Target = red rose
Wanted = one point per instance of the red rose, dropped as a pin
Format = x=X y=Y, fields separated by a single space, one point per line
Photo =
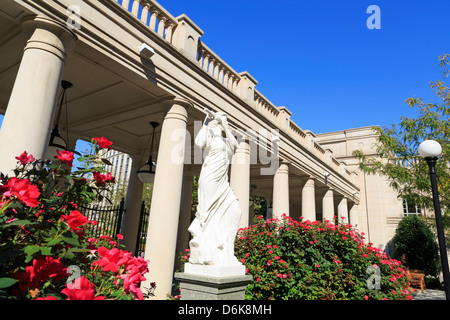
x=75 y=220
x=39 y=272
x=24 y=191
x=24 y=158
x=101 y=178
x=81 y=289
x=112 y=259
x=47 y=298
x=65 y=156
x=103 y=143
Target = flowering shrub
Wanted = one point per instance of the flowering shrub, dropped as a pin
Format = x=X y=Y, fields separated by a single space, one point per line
x=306 y=260
x=46 y=249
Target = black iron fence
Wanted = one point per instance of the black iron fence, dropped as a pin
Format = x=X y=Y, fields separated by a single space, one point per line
x=108 y=218
x=109 y=222
x=142 y=231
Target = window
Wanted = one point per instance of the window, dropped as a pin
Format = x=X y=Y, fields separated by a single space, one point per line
x=411 y=208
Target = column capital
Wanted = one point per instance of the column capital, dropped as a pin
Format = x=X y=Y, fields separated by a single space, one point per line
x=283 y=167
x=37 y=29
x=177 y=107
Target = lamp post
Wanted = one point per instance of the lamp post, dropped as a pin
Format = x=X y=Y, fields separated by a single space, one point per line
x=430 y=150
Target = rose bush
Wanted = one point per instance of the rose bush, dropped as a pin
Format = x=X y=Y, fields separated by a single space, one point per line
x=305 y=260
x=46 y=249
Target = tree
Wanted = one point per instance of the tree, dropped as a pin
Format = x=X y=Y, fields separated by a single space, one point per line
x=416 y=245
x=397 y=148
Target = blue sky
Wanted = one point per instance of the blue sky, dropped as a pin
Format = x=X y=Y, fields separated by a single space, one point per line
x=319 y=59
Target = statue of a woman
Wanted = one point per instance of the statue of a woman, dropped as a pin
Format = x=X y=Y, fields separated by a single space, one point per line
x=216 y=221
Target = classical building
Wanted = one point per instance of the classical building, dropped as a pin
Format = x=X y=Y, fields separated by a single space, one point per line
x=131 y=62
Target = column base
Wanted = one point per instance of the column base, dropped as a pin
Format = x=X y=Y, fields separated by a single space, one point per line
x=201 y=287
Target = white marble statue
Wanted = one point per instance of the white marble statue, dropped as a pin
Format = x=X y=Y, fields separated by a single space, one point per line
x=216 y=221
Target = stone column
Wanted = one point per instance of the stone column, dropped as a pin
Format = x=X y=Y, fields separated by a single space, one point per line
x=133 y=202
x=354 y=215
x=31 y=108
x=281 y=191
x=342 y=211
x=309 y=200
x=165 y=208
x=328 y=206
x=185 y=215
x=240 y=179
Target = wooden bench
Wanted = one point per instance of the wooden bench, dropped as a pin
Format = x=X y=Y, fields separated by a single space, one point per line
x=416 y=278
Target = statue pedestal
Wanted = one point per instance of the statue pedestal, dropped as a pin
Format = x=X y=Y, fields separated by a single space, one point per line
x=203 y=282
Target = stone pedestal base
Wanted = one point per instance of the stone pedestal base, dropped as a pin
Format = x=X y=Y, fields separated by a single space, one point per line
x=200 y=282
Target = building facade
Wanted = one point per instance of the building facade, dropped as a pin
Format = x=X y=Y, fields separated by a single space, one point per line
x=131 y=62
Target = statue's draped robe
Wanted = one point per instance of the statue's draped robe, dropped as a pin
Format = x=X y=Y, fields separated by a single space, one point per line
x=217 y=218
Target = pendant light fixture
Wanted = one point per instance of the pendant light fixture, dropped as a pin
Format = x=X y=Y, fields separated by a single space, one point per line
x=56 y=141
x=146 y=173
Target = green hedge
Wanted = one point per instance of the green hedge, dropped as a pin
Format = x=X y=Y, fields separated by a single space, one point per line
x=306 y=260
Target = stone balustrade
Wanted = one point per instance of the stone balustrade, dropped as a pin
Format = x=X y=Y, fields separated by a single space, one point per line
x=160 y=21
x=217 y=68
x=265 y=107
x=153 y=15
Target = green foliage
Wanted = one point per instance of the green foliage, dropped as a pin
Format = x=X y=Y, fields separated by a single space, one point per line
x=397 y=148
x=43 y=237
x=415 y=243
x=305 y=260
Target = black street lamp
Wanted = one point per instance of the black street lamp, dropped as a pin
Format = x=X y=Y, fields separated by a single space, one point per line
x=430 y=150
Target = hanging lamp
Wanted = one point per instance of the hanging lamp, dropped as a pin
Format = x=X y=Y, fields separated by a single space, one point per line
x=146 y=173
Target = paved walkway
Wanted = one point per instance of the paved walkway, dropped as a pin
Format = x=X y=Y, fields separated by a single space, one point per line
x=429 y=294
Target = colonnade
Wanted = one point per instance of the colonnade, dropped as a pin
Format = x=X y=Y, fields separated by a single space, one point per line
x=32 y=104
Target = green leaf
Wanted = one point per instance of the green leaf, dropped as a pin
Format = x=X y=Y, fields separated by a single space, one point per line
x=71 y=238
x=46 y=251
x=29 y=251
x=7 y=282
x=19 y=223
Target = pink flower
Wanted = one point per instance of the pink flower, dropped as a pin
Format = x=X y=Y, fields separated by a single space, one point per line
x=112 y=259
x=75 y=220
x=24 y=158
x=317 y=265
x=41 y=270
x=84 y=290
x=101 y=178
x=65 y=156
x=23 y=190
x=102 y=142
x=47 y=298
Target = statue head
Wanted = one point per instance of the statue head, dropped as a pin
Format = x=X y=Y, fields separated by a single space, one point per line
x=216 y=124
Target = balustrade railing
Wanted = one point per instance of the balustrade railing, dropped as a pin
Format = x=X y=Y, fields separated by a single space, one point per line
x=160 y=21
x=153 y=15
x=264 y=106
x=216 y=67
